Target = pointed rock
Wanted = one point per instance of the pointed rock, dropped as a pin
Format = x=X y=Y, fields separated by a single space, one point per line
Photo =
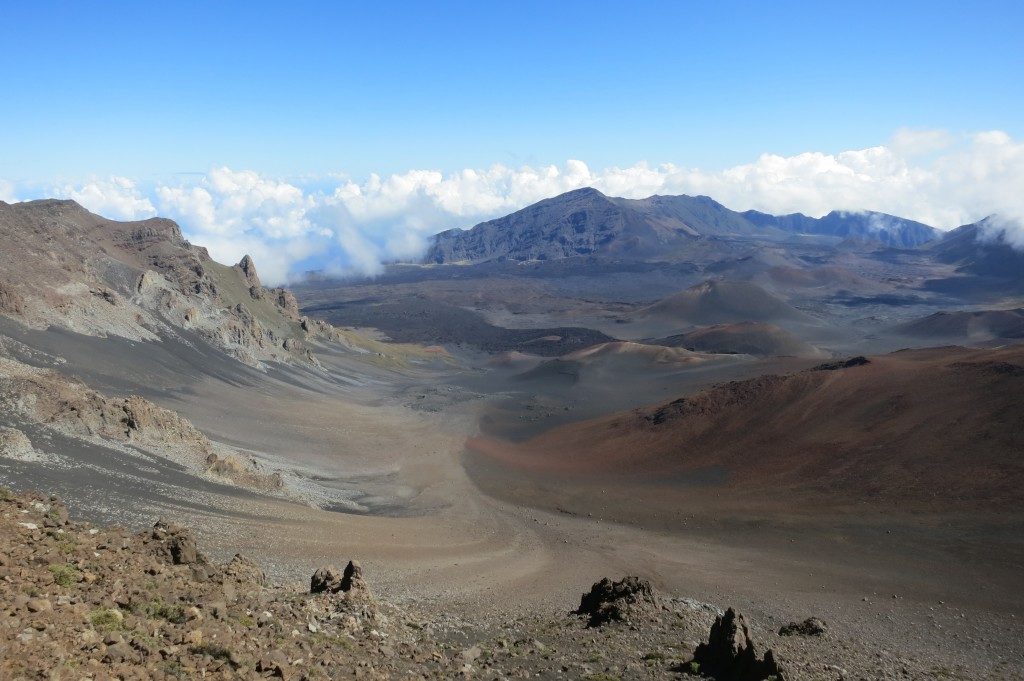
x=248 y=269
x=730 y=654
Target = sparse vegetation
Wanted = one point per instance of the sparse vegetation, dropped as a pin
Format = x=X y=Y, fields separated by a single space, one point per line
x=159 y=609
x=217 y=652
x=107 y=619
x=64 y=575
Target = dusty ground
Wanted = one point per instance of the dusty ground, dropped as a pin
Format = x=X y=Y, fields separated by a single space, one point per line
x=431 y=539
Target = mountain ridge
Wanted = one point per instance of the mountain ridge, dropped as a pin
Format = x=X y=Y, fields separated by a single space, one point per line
x=587 y=222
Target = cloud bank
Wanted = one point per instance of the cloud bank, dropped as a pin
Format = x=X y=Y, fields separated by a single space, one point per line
x=344 y=226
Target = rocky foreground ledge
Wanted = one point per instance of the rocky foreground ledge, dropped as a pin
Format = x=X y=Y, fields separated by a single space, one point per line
x=78 y=602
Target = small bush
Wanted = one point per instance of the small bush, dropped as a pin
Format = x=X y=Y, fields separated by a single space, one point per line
x=107 y=619
x=64 y=574
x=160 y=609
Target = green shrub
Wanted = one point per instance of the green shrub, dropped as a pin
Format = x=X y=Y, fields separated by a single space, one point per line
x=107 y=619
x=162 y=610
x=64 y=574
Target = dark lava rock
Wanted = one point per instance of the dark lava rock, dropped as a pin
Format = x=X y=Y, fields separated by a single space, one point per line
x=730 y=655
x=353 y=577
x=812 y=626
x=325 y=579
x=847 y=364
x=609 y=601
x=329 y=580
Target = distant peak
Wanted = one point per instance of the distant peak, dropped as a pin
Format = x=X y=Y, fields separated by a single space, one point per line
x=584 y=191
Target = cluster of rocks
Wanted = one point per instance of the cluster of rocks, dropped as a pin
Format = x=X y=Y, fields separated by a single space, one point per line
x=82 y=602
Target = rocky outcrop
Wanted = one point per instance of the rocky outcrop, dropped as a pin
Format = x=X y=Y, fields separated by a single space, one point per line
x=54 y=400
x=730 y=654
x=11 y=301
x=175 y=544
x=609 y=601
x=325 y=580
x=15 y=445
x=239 y=472
x=247 y=268
x=287 y=302
x=66 y=267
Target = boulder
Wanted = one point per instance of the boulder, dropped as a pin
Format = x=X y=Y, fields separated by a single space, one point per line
x=609 y=601
x=812 y=626
x=730 y=654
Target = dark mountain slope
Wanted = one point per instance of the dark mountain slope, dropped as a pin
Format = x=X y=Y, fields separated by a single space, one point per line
x=580 y=222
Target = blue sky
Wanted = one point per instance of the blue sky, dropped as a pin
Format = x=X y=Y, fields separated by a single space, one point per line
x=152 y=89
x=341 y=136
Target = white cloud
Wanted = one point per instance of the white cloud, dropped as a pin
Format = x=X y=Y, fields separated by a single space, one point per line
x=1002 y=228
x=349 y=226
x=116 y=197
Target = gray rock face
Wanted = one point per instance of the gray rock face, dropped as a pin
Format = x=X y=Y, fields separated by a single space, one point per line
x=730 y=655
